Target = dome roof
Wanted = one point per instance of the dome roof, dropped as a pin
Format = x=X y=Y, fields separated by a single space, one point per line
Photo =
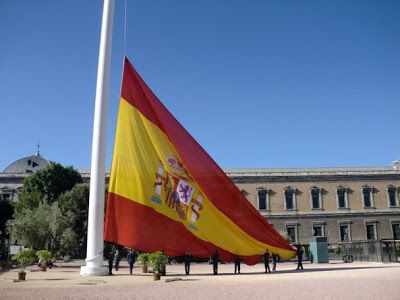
x=29 y=164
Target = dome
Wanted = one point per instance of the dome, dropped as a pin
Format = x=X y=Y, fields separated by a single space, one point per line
x=29 y=164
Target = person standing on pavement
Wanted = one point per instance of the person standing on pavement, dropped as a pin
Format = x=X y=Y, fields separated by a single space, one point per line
x=187 y=262
x=116 y=260
x=110 y=261
x=266 y=262
x=215 y=260
x=299 y=258
x=237 y=264
x=274 y=259
x=131 y=257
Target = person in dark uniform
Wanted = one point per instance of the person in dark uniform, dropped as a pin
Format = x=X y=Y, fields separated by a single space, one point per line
x=116 y=259
x=299 y=258
x=110 y=261
x=274 y=259
x=131 y=257
x=237 y=264
x=215 y=260
x=266 y=262
x=187 y=262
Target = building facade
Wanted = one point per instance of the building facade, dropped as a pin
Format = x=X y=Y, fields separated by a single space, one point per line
x=339 y=203
x=343 y=204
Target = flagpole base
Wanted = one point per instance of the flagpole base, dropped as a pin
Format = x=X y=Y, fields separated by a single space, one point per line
x=94 y=271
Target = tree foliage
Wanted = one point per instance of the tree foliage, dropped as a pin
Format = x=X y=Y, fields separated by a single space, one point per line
x=32 y=226
x=69 y=243
x=29 y=200
x=52 y=181
x=76 y=203
x=52 y=211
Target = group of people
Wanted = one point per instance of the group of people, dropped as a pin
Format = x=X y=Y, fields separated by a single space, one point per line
x=266 y=257
x=114 y=258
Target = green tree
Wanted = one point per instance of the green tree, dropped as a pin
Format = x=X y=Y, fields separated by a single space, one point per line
x=27 y=200
x=53 y=210
x=75 y=202
x=69 y=243
x=51 y=181
x=32 y=226
x=58 y=222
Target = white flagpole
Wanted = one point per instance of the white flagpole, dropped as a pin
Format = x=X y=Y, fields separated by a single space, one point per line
x=95 y=238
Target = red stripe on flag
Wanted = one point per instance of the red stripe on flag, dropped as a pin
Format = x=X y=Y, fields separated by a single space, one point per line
x=140 y=227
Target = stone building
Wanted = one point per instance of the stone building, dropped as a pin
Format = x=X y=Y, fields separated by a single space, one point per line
x=12 y=178
x=339 y=203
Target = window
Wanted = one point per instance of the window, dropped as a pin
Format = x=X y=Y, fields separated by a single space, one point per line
x=316 y=197
x=370 y=230
x=344 y=232
x=290 y=198
x=341 y=193
x=396 y=230
x=263 y=198
x=392 y=196
x=292 y=233
x=317 y=230
x=6 y=194
x=367 y=196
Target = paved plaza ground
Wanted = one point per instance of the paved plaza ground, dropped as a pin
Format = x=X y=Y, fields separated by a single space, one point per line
x=335 y=280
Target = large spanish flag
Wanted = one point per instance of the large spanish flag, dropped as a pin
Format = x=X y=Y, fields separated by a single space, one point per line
x=166 y=193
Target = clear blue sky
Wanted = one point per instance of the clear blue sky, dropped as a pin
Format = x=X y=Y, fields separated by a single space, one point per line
x=257 y=83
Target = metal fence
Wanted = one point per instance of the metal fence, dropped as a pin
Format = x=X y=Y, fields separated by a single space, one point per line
x=371 y=250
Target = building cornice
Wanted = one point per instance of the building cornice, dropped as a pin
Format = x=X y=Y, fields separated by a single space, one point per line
x=313 y=174
x=329 y=215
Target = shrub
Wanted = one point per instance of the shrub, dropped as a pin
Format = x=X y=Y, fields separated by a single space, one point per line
x=157 y=260
x=44 y=256
x=25 y=257
x=143 y=259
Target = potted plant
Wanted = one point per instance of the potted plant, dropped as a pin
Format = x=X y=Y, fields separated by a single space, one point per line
x=157 y=261
x=143 y=259
x=44 y=258
x=24 y=257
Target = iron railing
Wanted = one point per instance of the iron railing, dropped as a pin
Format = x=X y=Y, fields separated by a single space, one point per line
x=387 y=250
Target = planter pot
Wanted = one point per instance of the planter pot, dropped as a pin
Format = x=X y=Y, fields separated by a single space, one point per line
x=156 y=276
x=21 y=275
x=43 y=268
x=144 y=269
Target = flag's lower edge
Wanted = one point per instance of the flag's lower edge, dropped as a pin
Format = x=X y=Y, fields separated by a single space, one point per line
x=137 y=226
